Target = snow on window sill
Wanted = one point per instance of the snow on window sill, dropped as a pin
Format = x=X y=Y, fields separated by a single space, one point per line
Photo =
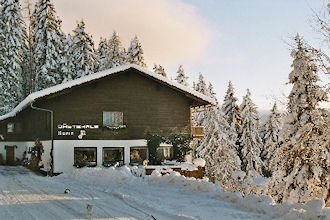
x=115 y=127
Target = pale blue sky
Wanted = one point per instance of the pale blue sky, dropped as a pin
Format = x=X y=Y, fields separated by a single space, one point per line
x=250 y=49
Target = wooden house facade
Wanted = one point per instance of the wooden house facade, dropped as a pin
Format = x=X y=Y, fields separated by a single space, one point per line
x=99 y=119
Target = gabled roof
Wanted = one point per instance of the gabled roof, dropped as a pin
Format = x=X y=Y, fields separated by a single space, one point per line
x=54 y=89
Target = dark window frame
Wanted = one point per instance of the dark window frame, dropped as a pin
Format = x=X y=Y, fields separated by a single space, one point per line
x=86 y=163
x=113 y=162
x=161 y=150
x=138 y=161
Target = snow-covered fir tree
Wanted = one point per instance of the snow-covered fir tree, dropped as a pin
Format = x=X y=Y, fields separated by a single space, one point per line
x=200 y=114
x=270 y=139
x=83 y=52
x=159 y=69
x=250 y=141
x=47 y=45
x=13 y=41
x=211 y=92
x=201 y=86
x=68 y=67
x=222 y=161
x=28 y=57
x=232 y=114
x=181 y=76
x=303 y=160
x=117 y=54
x=135 y=53
x=102 y=55
x=231 y=109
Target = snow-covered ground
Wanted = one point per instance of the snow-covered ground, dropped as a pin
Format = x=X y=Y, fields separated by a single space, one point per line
x=117 y=194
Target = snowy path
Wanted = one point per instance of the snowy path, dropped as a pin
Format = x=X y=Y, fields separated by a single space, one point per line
x=24 y=195
x=27 y=196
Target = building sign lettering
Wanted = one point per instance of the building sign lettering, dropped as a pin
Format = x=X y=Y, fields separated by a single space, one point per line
x=76 y=126
x=82 y=128
x=65 y=133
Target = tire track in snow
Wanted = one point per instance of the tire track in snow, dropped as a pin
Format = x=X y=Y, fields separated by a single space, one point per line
x=45 y=209
x=99 y=203
x=114 y=193
x=60 y=204
x=11 y=198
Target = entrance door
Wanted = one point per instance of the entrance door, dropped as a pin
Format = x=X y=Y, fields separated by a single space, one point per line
x=10 y=155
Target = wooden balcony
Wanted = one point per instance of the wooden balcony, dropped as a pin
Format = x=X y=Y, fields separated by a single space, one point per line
x=197 y=132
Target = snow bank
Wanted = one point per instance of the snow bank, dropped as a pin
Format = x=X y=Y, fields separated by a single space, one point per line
x=138 y=171
x=262 y=204
x=199 y=162
x=101 y=176
x=254 y=183
x=175 y=178
x=188 y=166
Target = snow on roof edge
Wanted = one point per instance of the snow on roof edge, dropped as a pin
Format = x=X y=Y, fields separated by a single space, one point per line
x=33 y=96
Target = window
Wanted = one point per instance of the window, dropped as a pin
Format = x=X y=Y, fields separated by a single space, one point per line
x=112 y=119
x=113 y=156
x=10 y=127
x=14 y=127
x=164 y=152
x=139 y=154
x=85 y=156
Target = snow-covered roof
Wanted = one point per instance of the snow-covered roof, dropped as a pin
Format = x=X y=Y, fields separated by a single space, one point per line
x=54 y=89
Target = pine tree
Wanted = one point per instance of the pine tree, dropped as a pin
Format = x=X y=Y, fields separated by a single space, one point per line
x=12 y=47
x=211 y=92
x=200 y=114
x=117 y=56
x=232 y=114
x=159 y=69
x=68 y=67
x=135 y=53
x=250 y=141
x=83 y=52
x=231 y=109
x=181 y=76
x=47 y=45
x=110 y=53
x=102 y=55
x=28 y=56
x=270 y=138
x=218 y=151
x=198 y=118
x=200 y=86
x=303 y=160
